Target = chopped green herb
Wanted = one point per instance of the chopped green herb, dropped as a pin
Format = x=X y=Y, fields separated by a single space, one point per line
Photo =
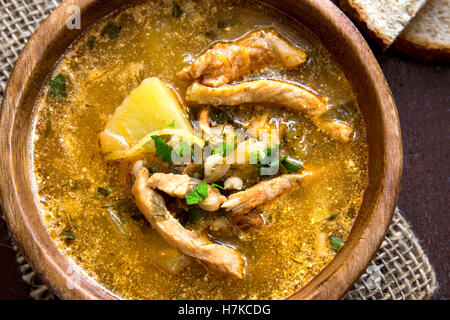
x=68 y=235
x=199 y=194
x=332 y=217
x=58 y=86
x=90 y=42
x=224 y=149
x=184 y=148
x=104 y=191
x=111 y=30
x=351 y=211
x=48 y=128
x=162 y=149
x=219 y=117
x=336 y=243
x=217 y=186
x=171 y=125
x=177 y=12
x=254 y=157
x=155 y=166
x=140 y=76
x=196 y=214
x=291 y=166
x=225 y=23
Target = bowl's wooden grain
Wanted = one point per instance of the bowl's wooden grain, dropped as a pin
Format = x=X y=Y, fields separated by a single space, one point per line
x=339 y=36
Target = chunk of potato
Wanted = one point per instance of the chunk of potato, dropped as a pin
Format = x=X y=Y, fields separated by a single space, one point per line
x=151 y=106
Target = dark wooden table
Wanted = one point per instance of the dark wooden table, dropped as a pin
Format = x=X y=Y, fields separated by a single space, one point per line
x=422 y=92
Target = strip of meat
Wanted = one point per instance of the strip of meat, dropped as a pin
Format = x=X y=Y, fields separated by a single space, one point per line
x=252 y=219
x=180 y=185
x=280 y=93
x=217 y=258
x=244 y=201
x=226 y=62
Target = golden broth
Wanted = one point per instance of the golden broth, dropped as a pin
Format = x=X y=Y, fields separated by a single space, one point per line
x=103 y=232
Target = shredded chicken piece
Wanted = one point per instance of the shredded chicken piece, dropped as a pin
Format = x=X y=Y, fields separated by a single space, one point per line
x=217 y=258
x=180 y=185
x=244 y=201
x=279 y=93
x=191 y=169
x=261 y=128
x=226 y=62
x=252 y=219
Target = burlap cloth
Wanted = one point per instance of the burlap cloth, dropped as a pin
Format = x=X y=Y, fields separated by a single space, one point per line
x=400 y=269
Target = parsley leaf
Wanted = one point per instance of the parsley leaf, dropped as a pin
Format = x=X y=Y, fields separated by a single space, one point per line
x=162 y=149
x=219 y=117
x=104 y=191
x=111 y=30
x=217 y=186
x=184 y=148
x=177 y=12
x=224 y=149
x=90 y=42
x=199 y=194
x=68 y=235
x=58 y=86
x=171 y=125
x=336 y=243
x=290 y=165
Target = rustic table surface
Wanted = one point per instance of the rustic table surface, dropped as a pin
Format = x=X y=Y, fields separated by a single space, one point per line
x=422 y=93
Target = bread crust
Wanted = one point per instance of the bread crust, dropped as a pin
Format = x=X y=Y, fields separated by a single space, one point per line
x=426 y=51
x=360 y=13
x=353 y=13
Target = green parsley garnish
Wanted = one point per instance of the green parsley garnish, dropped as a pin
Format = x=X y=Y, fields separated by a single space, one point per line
x=171 y=125
x=224 y=149
x=290 y=165
x=104 y=191
x=196 y=214
x=217 y=186
x=336 y=243
x=58 y=86
x=111 y=30
x=162 y=149
x=219 y=117
x=90 y=42
x=177 y=12
x=199 y=194
x=68 y=235
x=184 y=148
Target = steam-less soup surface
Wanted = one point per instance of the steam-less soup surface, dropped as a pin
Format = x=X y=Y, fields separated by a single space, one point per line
x=136 y=141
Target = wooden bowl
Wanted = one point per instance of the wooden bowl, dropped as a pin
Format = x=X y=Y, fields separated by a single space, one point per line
x=339 y=36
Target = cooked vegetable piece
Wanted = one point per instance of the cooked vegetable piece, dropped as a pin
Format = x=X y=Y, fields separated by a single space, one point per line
x=172 y=261
x=149 y=107
x=144 y=143
x=196 y=214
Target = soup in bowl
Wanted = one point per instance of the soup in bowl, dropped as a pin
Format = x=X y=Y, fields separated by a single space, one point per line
x=199 y=150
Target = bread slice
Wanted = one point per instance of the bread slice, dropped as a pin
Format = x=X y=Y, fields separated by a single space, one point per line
x=427 y=36
x=383 y=19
